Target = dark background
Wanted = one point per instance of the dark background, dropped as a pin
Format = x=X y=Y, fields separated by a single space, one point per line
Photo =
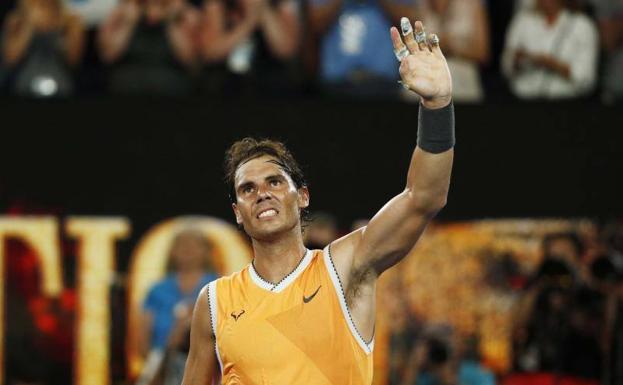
x=151 y=159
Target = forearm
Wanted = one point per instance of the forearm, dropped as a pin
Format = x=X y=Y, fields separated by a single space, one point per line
x=182 y=45
x=281 y=31
x=74 y=43
x=16 y=44
x=477 y=49
x=555 y=65
x=114 y=41
x=428 y=179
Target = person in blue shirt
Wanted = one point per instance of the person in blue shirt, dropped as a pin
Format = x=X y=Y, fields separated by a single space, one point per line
x=167 y=309
x=355 y=55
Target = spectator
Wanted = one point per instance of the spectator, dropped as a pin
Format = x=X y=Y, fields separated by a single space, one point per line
x=607 y=271
x=150 y=47
x=250 y=41
x=356 y=54
x=93 y=12
x=566 y=246
x=168 y=308
x=463 y=27
x=404 y=326
x=443 y=358
x=610 y=18
x=551 y=53
x=42 y=43
x=560 y=321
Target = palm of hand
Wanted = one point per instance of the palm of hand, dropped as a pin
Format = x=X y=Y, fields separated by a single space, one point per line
x=427 y=74
x=423 y=69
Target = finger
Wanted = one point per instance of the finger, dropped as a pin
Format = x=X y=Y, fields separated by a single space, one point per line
x=400 y=50
x=407 y=32
x=420 y=35
x=403 y=69
x=433 y=44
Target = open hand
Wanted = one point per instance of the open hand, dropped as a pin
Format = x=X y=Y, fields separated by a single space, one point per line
x=423 y=68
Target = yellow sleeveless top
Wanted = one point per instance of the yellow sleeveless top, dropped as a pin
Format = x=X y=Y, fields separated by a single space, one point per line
x=298 y=331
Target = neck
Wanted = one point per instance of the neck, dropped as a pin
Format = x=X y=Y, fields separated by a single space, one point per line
x=189 y=274
x=275 y=259
x=188 y=278
x=552 y=15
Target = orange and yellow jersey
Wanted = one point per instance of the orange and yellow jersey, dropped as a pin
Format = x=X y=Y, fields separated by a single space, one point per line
x=298 y=331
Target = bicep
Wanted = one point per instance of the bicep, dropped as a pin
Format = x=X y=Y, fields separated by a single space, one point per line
x=389 y=236
x=200 y=365
x=391 y=233
x=213 y=22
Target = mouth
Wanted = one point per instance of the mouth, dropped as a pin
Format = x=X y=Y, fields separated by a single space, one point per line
x=267 y=213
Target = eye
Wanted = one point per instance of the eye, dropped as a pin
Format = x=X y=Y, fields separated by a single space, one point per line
x=275 y=182
x=247 y=189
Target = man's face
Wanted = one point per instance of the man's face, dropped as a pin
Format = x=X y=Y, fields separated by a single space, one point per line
x=267 y=201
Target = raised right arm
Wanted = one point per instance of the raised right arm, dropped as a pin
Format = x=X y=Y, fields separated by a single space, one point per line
x=201 y=362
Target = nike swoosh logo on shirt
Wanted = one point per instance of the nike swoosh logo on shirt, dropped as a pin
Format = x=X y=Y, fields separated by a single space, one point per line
x=307 y=299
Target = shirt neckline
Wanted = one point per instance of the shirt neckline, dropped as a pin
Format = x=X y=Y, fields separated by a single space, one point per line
x=285 y=281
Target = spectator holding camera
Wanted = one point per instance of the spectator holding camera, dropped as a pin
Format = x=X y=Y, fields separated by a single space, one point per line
x=560 y=320
x=149 y=46
x=551 y=53
x=43 y=43
x=249 y=44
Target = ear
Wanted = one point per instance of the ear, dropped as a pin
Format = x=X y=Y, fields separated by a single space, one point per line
x=237 y=213
x=303 y=199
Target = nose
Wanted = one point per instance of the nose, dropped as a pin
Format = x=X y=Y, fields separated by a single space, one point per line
x=262 y=194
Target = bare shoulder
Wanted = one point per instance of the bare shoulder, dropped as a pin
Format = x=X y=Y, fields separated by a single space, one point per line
x=202 y=314
x=203 y=300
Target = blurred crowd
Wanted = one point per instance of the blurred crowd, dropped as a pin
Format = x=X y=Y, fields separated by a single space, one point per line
x=566 y=318
x=521 y=49
x=565 y=323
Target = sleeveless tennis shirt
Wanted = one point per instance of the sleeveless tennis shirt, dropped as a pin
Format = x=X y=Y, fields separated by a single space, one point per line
x=296 y=332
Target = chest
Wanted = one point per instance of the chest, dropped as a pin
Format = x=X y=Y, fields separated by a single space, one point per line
x=554 y=39
x=266 y=329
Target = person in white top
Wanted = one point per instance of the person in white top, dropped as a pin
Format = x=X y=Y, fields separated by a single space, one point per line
x=551 y=53
x=464 y=27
